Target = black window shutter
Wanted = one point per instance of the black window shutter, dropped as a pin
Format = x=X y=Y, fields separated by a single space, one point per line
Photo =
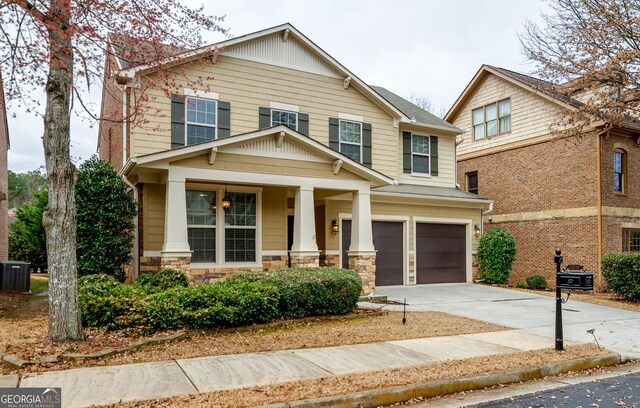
x=406 y=152
x=303 y=123
x=334 y=134
x=433 y=151
x=366 y=144
x=177 y=121
x=224 y=119
x=264 y=118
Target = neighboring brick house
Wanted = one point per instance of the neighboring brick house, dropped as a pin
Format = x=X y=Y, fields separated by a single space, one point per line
x=580 y=193
x=4 y=186
x=283 y=156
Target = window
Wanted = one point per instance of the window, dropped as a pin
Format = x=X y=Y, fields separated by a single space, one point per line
x=472 y=182
x=201 y=120
x=619 y=169
x=420 y=154
x=351 y=140
x=201 y=225
x=289 y=119
x=240 y=228
x=492 y=119
x=630 y=240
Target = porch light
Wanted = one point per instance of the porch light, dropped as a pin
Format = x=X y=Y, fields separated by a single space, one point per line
x=334 y=227
x=476 y=230
x=226 y=200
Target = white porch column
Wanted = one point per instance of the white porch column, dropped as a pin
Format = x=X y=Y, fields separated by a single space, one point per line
x=361 y=232
x=304 y=250
x=176 y=243
x=362 y=254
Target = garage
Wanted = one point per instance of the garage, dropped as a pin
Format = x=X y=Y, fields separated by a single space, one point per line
x=440 y=253
x=389 y=242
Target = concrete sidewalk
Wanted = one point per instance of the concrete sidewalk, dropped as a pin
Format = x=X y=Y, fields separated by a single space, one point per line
x=103 y=385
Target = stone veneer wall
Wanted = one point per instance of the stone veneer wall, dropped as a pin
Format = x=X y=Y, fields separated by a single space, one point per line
x=306 y=261
x=365 y=266
x=330 y=261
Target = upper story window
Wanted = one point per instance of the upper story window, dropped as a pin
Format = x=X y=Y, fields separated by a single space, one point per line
x=472 y=182
x=492 y=119
x=351 y=140
x=630 y=240
x=280 y=117
x=200 y=120
x=420 y=154
x=619 y=170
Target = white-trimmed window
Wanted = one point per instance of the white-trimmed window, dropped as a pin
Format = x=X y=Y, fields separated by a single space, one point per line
x=282 y=117
x=240 y=228
x=200 y=120
x=492 y=119
x=351 y=139
x=420 y=154
x=201 y=225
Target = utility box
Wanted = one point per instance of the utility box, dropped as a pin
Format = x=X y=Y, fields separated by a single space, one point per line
x=15 y=276
x=575 y=277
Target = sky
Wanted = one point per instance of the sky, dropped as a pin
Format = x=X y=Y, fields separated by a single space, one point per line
x=430 y=48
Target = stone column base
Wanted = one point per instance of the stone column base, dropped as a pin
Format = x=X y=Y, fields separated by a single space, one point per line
x=179 y=263
x=330 y=261
x=305 y=260
x=365 y=266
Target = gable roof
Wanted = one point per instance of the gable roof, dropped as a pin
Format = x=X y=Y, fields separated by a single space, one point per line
x=3 y=111
x=206 y=147
x=413 y=111
x=544 y=89
x=291 y=32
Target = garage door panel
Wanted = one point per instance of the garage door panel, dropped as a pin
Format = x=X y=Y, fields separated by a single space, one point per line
x=440 y=253
x=389 y=243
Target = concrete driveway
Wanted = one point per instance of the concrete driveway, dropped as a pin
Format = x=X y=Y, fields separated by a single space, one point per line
x=616 y=329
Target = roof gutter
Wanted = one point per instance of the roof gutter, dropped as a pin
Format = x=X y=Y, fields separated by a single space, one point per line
x=433 y=197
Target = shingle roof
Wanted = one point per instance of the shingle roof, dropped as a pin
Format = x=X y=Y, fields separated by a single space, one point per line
x=134 y=51
x=411 y=110
x=429 y=191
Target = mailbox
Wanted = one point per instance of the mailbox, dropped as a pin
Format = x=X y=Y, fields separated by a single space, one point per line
x=575 y=277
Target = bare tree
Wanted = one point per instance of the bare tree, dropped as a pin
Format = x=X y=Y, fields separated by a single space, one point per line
x=60 y=46
x=425 y=103
x=590 y=51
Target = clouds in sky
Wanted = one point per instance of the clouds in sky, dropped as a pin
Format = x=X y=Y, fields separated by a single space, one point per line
x=431 y=48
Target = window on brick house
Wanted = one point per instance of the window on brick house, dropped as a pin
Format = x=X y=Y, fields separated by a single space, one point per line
x=619 y=170
x=472 y=182
x=630 y=240
x=492 y=119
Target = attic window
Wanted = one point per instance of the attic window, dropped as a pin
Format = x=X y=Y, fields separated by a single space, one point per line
x=492 y=119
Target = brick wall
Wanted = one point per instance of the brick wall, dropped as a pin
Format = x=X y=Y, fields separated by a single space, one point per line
x=630 y=198
x=110 y=131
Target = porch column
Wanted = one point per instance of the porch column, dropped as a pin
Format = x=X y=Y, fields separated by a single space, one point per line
x=362 y=254
x=176 y=253
x=304 y=251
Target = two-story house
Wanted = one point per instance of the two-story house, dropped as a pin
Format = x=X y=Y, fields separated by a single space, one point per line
x=576 y=191
x=283 y=157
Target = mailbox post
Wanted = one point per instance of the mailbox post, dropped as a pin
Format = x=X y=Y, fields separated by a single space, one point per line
x=559 y=336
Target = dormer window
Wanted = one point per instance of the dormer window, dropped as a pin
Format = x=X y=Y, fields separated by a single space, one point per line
x=492 y=119
x=200 y=120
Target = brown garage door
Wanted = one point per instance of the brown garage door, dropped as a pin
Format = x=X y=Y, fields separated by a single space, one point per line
x=440 y=253
x=387 y=239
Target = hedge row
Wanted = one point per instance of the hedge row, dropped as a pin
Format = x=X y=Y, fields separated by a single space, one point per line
x=621 y=273
x=165 y=301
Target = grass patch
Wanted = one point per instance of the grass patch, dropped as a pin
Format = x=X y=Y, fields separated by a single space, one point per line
x=39 y=285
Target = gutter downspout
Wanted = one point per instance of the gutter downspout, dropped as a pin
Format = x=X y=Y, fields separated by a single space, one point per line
x=599 y=198
x=135 y=229
x=124 y=124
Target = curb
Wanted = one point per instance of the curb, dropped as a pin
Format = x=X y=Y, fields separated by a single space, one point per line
x=394 y=395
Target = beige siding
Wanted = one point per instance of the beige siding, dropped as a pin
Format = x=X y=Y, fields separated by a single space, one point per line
x=274 y=219
x=334 y=208
x=153 y=216
x=253 y=164
x=531 y=115
x=248 y=85
x=446 y=161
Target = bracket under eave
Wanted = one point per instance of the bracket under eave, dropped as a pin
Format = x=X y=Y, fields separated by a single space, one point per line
x=347 y=81
x=280 y=140
x=212 y=155
x=337 y=164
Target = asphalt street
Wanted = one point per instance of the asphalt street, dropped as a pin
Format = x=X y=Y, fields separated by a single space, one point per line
x=619 y=391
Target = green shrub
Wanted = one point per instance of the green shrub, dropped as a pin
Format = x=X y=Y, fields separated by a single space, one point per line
x=161 y=281
x=536 y=282
x=621 y=273
x=311 y=292
x=496 y=252
x=520 y=285
x=165 y=301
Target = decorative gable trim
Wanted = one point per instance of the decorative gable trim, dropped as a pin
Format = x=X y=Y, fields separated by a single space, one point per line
x=268 y=147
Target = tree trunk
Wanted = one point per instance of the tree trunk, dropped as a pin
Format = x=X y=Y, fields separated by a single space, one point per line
x=60 y=214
